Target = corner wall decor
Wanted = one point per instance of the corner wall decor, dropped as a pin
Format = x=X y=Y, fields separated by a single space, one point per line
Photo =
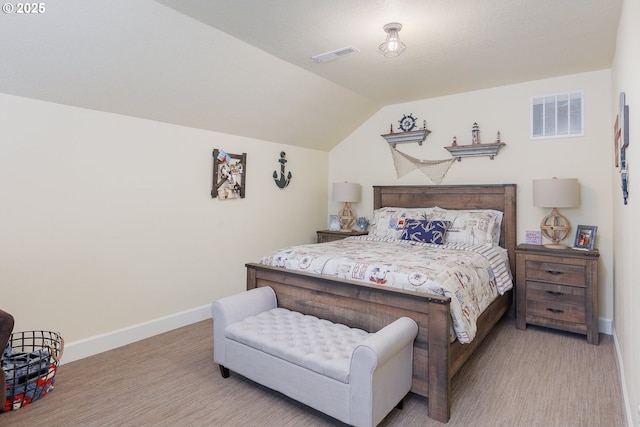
x=616 y=142
x=283 y=181
x=229 y=175
x=623 y=132
x=476 y=148
x=409 y=133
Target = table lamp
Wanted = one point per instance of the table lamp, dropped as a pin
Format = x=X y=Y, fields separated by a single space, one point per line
x=556 y=193
x=347 y=192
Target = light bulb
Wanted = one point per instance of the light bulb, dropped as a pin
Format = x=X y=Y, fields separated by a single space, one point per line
x=393 y=44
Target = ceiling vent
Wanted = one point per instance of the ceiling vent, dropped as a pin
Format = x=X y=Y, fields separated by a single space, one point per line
x=335 y=54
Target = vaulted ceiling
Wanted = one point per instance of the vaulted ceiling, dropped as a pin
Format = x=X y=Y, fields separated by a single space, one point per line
x=244 y=66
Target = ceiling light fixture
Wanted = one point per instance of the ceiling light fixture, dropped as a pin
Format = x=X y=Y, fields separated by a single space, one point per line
x=392 y=47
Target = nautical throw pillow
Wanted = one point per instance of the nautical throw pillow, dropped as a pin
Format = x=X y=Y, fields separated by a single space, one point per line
x=472 y=226
x=425 y=231
x=389 y=222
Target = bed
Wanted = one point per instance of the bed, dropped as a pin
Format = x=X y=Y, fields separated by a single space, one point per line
x=370 y=306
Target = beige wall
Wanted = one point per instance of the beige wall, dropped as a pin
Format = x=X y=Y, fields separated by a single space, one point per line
x=107 y=220
x=625 y=71
x=364 y=156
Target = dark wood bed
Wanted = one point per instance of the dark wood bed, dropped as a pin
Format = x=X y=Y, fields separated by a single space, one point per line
x=371 y=307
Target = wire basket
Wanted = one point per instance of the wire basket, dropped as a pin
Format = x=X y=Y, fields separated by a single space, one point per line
x=30 y=362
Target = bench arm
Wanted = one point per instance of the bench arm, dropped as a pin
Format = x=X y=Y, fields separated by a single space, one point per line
x=233 y=309
x=388 y=341
x=381 y=371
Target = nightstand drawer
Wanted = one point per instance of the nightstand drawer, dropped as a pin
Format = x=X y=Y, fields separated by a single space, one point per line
x=558 y=302
x=325 y=236
x=556 y=293
x=554 y=272
x=554 y=310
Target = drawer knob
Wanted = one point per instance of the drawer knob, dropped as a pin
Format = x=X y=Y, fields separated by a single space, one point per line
x=554 y=293
x=554 y=272
x=555 y=310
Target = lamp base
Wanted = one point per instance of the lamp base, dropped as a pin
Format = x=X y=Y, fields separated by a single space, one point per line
x=347 y=217
x=555 y=227
x=555 y=246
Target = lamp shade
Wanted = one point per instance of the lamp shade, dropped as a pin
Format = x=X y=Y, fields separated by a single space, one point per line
x=556 y=193
x=346 y=192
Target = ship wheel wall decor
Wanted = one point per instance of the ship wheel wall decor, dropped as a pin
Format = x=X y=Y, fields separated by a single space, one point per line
x=409 y=132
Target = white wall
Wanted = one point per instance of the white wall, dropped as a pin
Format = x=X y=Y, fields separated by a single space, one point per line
x=107 y=221
x=365 y=157
x=625 y=71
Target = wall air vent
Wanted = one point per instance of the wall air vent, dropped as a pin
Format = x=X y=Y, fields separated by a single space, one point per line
x=335 y=54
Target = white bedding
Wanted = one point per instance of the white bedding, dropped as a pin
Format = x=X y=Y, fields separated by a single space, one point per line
x=471 y=275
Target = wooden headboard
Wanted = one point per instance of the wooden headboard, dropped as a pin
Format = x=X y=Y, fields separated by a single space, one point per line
x=500 y=197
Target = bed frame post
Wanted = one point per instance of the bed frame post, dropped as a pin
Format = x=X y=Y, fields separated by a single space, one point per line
x=439 y=378
x=252 y=281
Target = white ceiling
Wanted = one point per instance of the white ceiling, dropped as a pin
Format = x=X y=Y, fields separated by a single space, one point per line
x=244 y=66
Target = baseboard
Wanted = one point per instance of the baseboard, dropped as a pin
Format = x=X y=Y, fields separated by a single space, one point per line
x=88 y=347
x=605 y=326
x=625 y=395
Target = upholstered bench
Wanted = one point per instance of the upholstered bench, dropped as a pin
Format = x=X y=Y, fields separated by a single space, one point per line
x=352 y=375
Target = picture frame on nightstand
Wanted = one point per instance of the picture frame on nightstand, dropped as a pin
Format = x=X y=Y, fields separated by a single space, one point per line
x=334 y=223
x=585 y=237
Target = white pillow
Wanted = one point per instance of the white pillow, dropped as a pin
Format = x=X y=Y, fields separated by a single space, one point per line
x=497 y=227
x=472 y=226
x=389 y=222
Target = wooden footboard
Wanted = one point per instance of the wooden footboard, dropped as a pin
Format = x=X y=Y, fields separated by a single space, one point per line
x=371 y=307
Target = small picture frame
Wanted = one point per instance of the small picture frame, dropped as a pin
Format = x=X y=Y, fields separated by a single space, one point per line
x=585 y=237
x=533 y=237
x=334 y=223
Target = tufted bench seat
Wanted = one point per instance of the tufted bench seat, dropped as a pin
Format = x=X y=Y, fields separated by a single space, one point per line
x=350 y=374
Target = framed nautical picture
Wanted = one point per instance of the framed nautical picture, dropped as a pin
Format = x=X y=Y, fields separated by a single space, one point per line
x=229 y=175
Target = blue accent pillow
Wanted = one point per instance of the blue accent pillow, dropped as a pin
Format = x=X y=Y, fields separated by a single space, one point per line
x=421 y=230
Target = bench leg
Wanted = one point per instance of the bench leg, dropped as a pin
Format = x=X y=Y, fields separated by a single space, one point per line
x=224 y=371
x=400 y=404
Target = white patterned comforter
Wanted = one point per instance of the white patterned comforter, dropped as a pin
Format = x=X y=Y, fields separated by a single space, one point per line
x=471 y=275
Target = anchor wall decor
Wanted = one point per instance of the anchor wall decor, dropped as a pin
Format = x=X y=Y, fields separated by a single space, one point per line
x=283 y=181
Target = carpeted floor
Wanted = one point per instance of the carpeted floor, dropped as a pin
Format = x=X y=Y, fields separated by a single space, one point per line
x=537 y=377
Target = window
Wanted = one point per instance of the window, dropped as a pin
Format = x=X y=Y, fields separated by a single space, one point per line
x=557 y=116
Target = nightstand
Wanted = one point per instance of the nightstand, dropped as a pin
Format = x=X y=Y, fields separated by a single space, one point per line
x=330 y=236
x=557 y=288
